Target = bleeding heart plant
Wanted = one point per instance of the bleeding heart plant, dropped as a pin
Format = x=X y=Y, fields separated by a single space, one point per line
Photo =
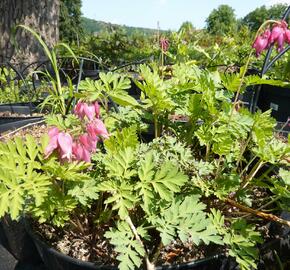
x=279 y=34
x=81 y=145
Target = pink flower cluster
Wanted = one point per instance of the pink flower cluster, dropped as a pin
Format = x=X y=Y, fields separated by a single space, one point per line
x=164 y=44
x=279 y=35
x=81 y=147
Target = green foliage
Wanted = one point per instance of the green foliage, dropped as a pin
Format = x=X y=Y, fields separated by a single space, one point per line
x=124 y=118
x=20 y=178
x=62 y=123
x=12 y=88
x=221 y=20
x=162 y=183
x=121 y=140
x=58 y=95
x=110 y=85
x=170 y=189
x=130 y=250
x=241 y=239
x=186 y=219
x=70 y=27
x=118 y=184
x=154 y=89
x=256 y=17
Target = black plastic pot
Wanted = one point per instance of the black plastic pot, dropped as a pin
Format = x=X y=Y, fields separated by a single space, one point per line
x=12 y=123
x=17 y=241
x=58 y=261
x=277 y=99
x=21 y=108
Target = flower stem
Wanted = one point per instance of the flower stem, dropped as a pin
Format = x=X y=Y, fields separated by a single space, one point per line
x=247 y=65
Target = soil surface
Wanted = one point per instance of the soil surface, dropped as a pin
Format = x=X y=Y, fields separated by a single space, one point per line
x=22 y=115
x=36 y=130
x=91 y=245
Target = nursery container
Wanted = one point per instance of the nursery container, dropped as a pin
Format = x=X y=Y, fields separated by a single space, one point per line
x=277 y=99
x=12 y=123
x=17 y=241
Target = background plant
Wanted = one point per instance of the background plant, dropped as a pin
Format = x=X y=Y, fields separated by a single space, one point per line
x=60 y=98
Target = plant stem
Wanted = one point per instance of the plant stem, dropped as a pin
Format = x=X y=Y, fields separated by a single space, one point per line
x=249 y=163
x=243 y=149
x=156 y=131
x=253 y=172
x=264 y=206
x=149 y=265
x=258 y=213
x=219 y=168
x=157 y=252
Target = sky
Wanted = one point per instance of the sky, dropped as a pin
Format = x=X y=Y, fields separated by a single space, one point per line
x=169 y=13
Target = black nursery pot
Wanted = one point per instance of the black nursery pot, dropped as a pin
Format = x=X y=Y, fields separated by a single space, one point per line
x=21 y=108
x=17 y=241
x=58 y=261
x=277 y=99
x=12 y=123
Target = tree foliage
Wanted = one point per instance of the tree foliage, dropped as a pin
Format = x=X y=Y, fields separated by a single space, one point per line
x=70 y=27
x=256 y=17
x=221 y=20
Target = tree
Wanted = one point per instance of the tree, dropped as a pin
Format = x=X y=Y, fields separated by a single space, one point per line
x=16 y=44
x=187 y=26
x=221 y=20
x=255 y=18
x=70 y=21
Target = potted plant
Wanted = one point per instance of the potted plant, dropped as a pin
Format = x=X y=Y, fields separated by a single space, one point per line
x=146 y=200
x=94 y=191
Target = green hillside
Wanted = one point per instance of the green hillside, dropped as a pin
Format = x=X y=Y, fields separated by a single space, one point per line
x=93 y=26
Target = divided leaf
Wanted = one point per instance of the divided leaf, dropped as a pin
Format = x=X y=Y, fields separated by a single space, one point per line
x=187 y=220
x=131 y=252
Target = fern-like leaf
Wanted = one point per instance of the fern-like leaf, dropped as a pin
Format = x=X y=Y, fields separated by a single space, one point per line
x=131 y=252
x=187 y=220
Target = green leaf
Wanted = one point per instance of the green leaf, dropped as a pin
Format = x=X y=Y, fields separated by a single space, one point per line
x=120 y=140
x=165 y=181
x=85 y=192
x=121 y=196
x=123 y=99
x=20 y=180
x=285 y=175
x=130 y=250
x=185 y=221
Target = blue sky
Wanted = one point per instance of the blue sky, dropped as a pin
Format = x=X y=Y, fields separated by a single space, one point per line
x=169 y=13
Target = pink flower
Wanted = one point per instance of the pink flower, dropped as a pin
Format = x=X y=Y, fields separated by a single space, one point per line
x=97 y=128
x=89 y=142
x=164 y=44
x=65 y=142
x=287 y=36
x=278 y=34
x=60 y=141
x=79 y=110
x=97 y=109
x=81 y=153
x=52 y=145
x=90 y=110
x=260 y=44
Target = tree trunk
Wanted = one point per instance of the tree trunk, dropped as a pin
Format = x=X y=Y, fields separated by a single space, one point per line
x=20 y=47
